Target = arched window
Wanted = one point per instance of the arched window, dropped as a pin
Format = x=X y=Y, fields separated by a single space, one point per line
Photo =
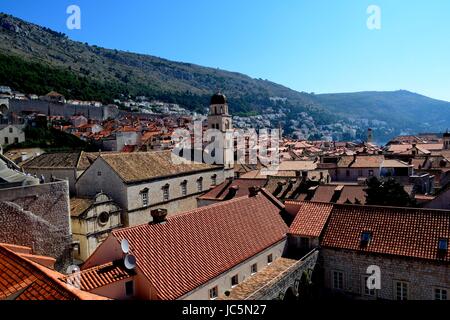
x=166 y=192
x=214 y=180
x=145 y=197
x=184 y=188
x=200 y=185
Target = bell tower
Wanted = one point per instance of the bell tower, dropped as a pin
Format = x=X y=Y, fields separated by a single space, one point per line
x=219 y=118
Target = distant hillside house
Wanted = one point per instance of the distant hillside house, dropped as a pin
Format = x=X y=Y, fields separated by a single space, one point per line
x=11 y=134
x=142 y=181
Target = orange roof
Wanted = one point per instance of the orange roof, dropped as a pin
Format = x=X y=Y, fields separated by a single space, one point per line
x=23 y=279
x=395 y=231
x=198 y=246
x=310 y=219
x=103 y=275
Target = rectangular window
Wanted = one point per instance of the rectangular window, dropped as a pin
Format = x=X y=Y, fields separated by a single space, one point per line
x=144 y=198
x=254 y=268
x=99 y=173
x=370 y=173
x=235 y=281
x=269 y=258
x=365 y=290
x=184 y=189
x=166 y=194
x=129 y=288
x=214 y=180
x=347 y=173
x=213 y=293
x=200 y=185
x=10 y=130
x=338 y=280
x=401 y=290
x=6 y=140
x=16 y=140
x=440 y=294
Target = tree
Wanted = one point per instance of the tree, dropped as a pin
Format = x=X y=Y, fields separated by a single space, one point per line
x=386 y=192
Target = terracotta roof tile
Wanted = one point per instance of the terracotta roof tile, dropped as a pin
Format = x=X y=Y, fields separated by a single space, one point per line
x=101 y=276
x=195 y=247
x=395 y=231
x=310 y=219
x=22 y=279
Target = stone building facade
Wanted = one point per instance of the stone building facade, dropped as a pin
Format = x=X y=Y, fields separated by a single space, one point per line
x=92 y=220
x=419 y=280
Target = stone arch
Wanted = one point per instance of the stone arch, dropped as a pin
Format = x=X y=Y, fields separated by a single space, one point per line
x=290 y=295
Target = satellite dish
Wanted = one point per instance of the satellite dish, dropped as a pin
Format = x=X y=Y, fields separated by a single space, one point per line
x=125 y=246
x=130 y=262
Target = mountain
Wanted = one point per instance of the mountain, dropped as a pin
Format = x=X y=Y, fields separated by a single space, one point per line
x=400 y=109
x=136 y=74
x=35 y=59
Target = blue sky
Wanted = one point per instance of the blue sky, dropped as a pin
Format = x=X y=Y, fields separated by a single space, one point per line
x=315 y=46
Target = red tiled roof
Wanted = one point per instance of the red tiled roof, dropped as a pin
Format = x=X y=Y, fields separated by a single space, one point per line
x=222 y=190
x=22 y=279
x=101 y=276
x=197 y=246
x=310 y=219
x=395 y=231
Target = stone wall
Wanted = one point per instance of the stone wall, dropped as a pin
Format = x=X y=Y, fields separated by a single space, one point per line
x=422 y=276
x=278 y=286
x=38 y=217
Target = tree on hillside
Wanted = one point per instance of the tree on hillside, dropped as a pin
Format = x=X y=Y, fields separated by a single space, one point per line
x=386 y=192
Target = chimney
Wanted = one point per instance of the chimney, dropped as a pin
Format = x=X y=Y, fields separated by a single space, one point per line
x=253 y=191
x=159 y=216
x=232 y=192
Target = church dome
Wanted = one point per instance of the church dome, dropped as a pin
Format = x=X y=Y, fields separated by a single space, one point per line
x=218 y=98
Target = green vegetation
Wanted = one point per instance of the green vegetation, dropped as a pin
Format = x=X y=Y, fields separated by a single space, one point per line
x=387 y=192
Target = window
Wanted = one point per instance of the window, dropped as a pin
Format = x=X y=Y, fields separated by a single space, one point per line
x=443 y=245
x=440 y=294
x=129 y=288
x=166 y=193
x=213 y=293
x=347 y=173
x=144 y=198
x=10 y=130
x=184 y=188
x=103 y=218
x=401 y=290
x=235 y=281
x=200 y=185
x=370 y=173
x=214 y=180
x=269 y=258
x=338 y=280
x=6 y=140
x=365 y=290
x=16 y=140
x=254 y=268
x=366 y=237
x=99 y=173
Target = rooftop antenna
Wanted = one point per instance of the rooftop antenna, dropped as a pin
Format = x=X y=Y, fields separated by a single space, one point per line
x=129 y=260
x=125 y=246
